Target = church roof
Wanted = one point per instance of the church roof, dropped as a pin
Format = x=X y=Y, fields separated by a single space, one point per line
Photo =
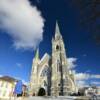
x=8 y=78
x=46 y=57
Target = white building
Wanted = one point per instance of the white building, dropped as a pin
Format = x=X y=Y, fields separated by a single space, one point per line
x=7 y=85
x=98 y=90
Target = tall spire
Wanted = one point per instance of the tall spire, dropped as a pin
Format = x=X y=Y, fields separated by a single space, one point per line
x=57 y=31
x=37 y=54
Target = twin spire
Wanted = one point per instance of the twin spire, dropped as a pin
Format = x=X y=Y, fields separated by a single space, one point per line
x=57 y=34
x=37 y=54
x=57 y=31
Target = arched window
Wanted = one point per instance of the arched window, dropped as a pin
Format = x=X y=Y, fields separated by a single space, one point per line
x=45 y=84
x=58 y=66
x=57 y=47
x=45 y=71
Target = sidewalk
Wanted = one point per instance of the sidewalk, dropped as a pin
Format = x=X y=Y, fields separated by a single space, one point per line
x=50 y=98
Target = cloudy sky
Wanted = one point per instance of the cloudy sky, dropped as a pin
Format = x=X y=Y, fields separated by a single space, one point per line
x=25 y=25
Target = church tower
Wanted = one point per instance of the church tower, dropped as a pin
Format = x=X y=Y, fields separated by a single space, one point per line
x=60 y=69
x=52 y=73
x=34 y=74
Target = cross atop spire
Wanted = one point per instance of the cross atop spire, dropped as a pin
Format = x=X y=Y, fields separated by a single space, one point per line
x=57 y=31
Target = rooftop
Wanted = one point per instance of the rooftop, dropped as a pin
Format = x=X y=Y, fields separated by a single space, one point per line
x=8 y=78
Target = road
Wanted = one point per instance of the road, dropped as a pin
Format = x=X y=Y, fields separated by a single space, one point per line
x=54 y=98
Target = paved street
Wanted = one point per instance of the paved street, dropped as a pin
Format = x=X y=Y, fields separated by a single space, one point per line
x=51 y=98
x=59 y=98
x=54 y=98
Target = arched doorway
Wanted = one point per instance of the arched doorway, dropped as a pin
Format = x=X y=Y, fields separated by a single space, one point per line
x=41 y=92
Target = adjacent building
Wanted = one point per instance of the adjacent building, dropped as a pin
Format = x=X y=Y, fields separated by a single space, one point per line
x=7 y=85
x=52 y=73
x=98 y=90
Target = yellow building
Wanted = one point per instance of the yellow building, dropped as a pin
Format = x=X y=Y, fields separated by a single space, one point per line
x=7 y=85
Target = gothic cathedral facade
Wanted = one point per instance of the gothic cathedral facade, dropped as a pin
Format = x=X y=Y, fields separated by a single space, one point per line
x=52 y=72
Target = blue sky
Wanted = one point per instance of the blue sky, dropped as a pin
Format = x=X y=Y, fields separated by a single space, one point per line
x=78 y=41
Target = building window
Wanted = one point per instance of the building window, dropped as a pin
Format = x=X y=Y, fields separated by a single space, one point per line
x=45 y=84
x=58 y=66
x=4 y=94
x=59 y=84
x=57 y=47
x=6 y=85
x=2 y=84
x=63 y=81
x=45 y=71
x=59 y=93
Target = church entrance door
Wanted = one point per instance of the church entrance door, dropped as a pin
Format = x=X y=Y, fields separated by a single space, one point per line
x=41 y=92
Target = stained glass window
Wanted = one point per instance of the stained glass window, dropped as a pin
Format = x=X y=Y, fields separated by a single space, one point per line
x=45 y=71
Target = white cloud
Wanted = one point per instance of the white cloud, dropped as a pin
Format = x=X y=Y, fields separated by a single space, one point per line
x=71 y=62
x=81 y=83
x=24 y=82
x=22 y=22
x=95 y=76
x=19 y=65
x=81 y=79
x=1 y=75
x=96 y=83
x=82 y=76
x=85 y=76
x=84 y=55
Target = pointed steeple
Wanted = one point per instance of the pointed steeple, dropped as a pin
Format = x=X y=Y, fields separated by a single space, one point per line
x=57 y=31
x=37 y=54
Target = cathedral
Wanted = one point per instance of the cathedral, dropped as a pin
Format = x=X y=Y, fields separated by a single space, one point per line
x=52 y=73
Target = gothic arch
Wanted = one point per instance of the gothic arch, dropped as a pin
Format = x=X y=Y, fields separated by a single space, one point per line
x=41 y=92
x=43 y=69
x=57 y=47
x=72 y=84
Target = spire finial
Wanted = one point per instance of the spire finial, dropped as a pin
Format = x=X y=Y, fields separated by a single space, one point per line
x=37 y=54
x=57 y=31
